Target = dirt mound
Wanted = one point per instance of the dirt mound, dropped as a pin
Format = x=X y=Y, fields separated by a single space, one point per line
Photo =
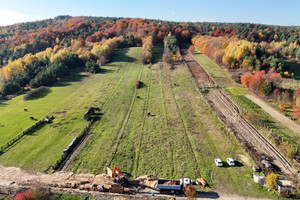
x=172 y=182
x=11 y=177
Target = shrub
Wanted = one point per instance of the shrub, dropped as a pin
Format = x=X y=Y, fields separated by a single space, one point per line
x=35 y=93
x=271 y=180
x=92 y=67
x=190 y=192
x=138 y=84
x=290 y=152
x=267 y=88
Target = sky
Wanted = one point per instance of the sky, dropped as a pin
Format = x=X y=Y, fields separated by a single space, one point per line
x=273 y=12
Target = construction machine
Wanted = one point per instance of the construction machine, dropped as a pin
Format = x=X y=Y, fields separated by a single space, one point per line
x=119 y=177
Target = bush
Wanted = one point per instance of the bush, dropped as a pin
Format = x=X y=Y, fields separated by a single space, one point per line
x=92 y=67
x=290 y=152
x=35 y=93
x=191 y=192
x=138 y=84
x=271 y=180
x=267 y=88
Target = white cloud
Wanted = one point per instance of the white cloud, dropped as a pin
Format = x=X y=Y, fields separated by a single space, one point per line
x=8 y=17
x=173 y=13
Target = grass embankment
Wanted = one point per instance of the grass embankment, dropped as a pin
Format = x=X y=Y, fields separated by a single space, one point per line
x=68 y=101
x=219 y=76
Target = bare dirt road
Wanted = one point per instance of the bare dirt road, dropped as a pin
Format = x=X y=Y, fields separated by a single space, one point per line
x=231 y=117
x=13 y=179
x=274 y=113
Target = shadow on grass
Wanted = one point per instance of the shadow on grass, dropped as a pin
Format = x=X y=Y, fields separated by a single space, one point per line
x=73 y=78
x=157 y=53
x=120 y=56
x=197 y=53
x=105 y=71
x=292 y=68
x=2 y=103
x=210 y=195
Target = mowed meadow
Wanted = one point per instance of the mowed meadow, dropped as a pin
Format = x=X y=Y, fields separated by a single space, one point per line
x=165 y=128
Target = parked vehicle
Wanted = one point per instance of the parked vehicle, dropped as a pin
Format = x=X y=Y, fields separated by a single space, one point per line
x=170 y=186
x=218 y=162
x=230 y=162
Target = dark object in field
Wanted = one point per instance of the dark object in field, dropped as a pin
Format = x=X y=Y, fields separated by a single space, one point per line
x=25 y=109
x=32 y=118
x=88 y=115
x=39 y=92
x=138 y=97
x=149 y=114
x=137 y=85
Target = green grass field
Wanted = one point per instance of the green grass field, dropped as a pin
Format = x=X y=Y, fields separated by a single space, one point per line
x=180 y=138
x=169 y=131
x=67 y=102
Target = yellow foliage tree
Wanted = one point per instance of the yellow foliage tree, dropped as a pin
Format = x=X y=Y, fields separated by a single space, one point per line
x=246 y=64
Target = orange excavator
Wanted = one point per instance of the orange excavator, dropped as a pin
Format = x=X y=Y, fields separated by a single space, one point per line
x=118 y=176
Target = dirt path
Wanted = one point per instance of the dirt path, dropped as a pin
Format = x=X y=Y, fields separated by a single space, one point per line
x=13 y=179
x=199 y=74
x=229 y=114
x=274 y=113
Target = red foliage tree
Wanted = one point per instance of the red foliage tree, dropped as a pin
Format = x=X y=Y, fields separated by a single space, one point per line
x=246 y=78
x=192 y=49
x=24 y=196
x=257 y=80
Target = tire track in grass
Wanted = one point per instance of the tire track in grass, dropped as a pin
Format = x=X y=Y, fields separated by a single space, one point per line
x=168 y=78
x=86 y=139
x=125 y=121
x=166 y=117
x=196 y=123
x=138 y=146
x=108 y=100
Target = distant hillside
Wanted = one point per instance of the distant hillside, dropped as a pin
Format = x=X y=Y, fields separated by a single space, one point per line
x=31 y=54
